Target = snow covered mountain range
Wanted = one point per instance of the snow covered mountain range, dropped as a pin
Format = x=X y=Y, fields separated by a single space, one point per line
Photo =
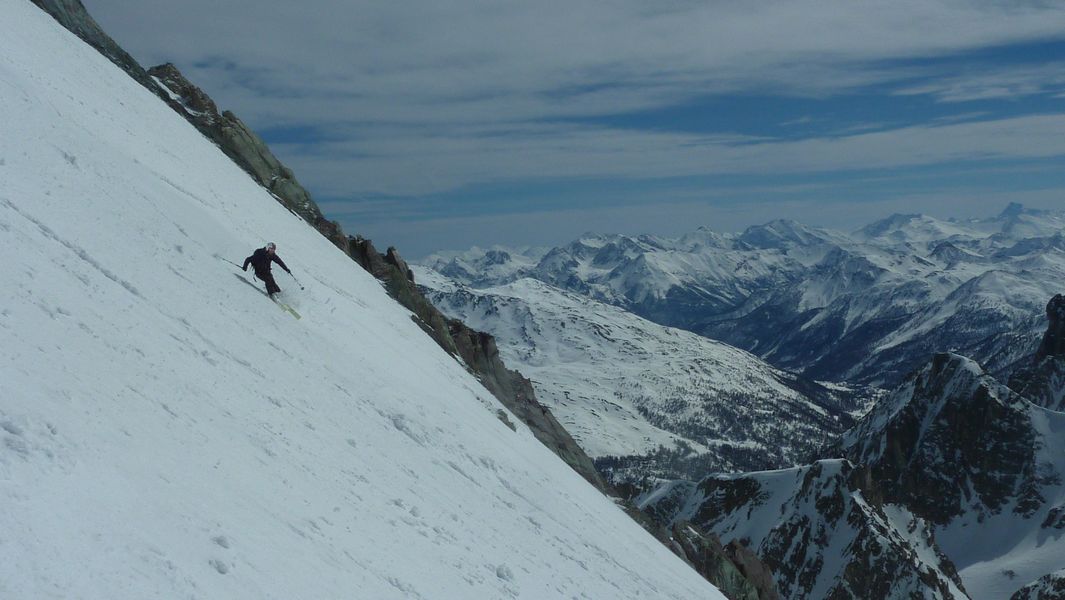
x=167 y=431
x=865 y=307
x=648 y=400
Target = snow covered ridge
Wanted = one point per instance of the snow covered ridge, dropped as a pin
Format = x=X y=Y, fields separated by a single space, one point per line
x=1049 y=587
x=166 y=431
x=821 y=530
x=866 y=307
x=629 y=389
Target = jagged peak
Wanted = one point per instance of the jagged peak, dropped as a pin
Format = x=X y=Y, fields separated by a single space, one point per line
x=950 y=427
x=946 y=378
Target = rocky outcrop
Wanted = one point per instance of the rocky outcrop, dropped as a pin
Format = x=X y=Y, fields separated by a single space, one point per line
x=753 y=569
x=243 y=146
x=951 y=441
x=478 y=352
x=823 y=530
x=724 y=567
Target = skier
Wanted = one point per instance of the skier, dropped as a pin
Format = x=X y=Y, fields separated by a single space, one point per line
x=260 y=260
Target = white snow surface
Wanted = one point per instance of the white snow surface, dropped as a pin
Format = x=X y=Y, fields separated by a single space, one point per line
x=167 y=432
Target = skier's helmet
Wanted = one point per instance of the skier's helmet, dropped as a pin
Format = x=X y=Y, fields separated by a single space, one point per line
x=271 y=246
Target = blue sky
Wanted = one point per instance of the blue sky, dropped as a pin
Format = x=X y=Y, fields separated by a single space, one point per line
x=442 y=125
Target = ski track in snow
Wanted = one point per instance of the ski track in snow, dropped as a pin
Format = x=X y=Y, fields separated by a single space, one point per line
x=167 y=431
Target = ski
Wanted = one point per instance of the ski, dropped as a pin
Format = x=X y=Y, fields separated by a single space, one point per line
x=287 y=308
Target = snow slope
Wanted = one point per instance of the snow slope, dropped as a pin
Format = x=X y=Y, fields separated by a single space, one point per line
x=166 y=431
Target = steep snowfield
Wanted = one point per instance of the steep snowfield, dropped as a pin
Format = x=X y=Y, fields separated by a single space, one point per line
x=166 y=431
x=624 y=386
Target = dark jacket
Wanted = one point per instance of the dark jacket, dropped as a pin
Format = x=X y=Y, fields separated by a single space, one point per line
x=261 y=260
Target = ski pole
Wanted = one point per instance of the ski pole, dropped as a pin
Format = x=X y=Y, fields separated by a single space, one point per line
x=294 y=279
x=228 y=261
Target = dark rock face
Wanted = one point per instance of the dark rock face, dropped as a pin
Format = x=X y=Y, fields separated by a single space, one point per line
x=710 y=558
x=478 y=352
x=243 y=146
x=1054 y=340
x=752 y=567
x=951 y=441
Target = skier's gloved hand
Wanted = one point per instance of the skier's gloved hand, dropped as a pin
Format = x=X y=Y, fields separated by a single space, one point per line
x=245 y=268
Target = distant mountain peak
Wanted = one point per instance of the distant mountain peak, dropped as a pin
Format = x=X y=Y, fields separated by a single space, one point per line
x=1014 y=209
x=780 y=233
x=879 y=228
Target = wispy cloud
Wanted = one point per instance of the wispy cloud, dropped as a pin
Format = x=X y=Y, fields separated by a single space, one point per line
x=423 y=98
x=432 y=61
x=1012 y=82
x=415 y=164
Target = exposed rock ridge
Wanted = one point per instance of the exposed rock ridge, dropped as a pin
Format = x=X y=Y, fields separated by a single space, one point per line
x=950 y=452
x=243 y=146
